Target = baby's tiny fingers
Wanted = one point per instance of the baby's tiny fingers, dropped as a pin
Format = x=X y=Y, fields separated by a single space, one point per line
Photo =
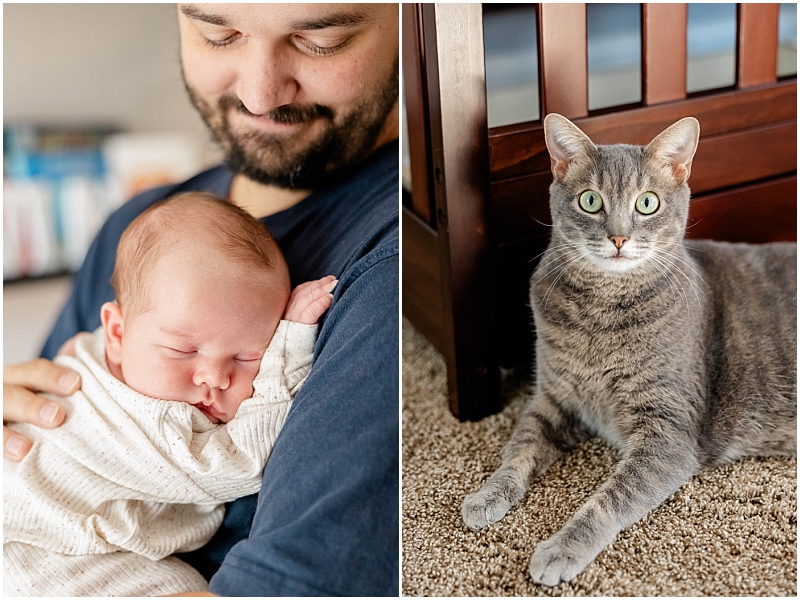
x=316 y=309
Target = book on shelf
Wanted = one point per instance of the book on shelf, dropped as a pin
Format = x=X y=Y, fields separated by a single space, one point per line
x=61 y=183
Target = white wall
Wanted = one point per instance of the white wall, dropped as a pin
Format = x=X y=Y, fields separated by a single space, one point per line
x=79 y=64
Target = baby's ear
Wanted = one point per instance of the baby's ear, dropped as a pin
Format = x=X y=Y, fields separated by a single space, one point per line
x=676 y=146
x=565 y=142
x=113 y=326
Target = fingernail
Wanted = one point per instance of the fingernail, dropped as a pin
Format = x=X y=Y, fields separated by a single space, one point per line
x=48 y=413
x=14 y=444
x=68 y=381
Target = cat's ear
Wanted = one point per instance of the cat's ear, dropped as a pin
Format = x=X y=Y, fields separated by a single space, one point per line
x=676 y=146
x=565 y=142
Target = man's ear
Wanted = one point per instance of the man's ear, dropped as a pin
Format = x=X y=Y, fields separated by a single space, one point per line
x=113 y=326
x=565 y=143
x=676 y=146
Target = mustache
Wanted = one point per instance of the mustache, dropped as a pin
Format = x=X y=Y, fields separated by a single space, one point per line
x=288 y=113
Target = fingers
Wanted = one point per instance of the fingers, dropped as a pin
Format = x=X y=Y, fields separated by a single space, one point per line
x=316 y=287
x=15 y=446
x=316 y=309
x=41 y=375
x=24 y=406
x=306 y=295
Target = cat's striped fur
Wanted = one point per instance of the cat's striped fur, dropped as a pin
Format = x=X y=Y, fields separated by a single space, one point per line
x=681 y=354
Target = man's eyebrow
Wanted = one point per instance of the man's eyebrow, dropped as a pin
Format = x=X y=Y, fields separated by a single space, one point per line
x=337 y=19
x=192 y=11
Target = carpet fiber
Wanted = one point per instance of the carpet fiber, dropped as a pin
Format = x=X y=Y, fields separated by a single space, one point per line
x=731 y=531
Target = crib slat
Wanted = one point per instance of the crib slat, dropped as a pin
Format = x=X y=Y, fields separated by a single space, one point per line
x=758 y=44
x=664 y=49
x=564 y=68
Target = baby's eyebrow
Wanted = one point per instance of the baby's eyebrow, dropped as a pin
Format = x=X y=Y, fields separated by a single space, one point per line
x=175 y=332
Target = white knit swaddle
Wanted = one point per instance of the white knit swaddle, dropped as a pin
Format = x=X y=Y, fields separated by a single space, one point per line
x=129 y=480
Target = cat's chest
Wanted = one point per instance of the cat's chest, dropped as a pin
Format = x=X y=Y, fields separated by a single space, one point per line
x=595 y=354
x=594 y=389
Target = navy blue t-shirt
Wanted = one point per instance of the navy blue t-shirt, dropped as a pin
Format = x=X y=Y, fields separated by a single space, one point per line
x=326 y=519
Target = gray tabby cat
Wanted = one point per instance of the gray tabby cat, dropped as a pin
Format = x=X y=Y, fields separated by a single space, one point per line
x=682 y=355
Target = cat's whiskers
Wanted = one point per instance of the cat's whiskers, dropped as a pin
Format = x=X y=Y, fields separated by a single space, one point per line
x=667 y=275
x=665 y=255
x=685 y=247
x=670 y=275
x=559 y=259
x=583 y=254
x=556 y=248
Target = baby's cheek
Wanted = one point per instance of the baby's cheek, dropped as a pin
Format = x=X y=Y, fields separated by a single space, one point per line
x=243 y=386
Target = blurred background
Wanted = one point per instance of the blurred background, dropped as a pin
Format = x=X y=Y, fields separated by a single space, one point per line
x=94 y=111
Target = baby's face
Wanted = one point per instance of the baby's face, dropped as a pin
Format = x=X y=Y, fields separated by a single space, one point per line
x=203 y=339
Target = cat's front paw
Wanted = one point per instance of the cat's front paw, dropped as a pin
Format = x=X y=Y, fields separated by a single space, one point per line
x=553 y=562
x=484 y=507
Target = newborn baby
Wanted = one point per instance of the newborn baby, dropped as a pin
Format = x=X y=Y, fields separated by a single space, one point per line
x=185 y=388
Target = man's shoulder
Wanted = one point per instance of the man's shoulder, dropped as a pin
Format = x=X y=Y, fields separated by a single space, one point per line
x=375 y=191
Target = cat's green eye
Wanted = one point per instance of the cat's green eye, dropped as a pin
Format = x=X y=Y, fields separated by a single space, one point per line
x=591 y=201
x=647 y=203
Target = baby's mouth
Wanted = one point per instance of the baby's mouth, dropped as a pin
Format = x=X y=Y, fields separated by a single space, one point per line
x=209 y=412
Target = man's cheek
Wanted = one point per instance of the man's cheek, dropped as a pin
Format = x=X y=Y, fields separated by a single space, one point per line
x=208 y=76
x=333 y=86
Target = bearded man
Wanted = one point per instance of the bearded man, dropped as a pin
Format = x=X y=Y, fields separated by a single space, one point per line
x=303 y=100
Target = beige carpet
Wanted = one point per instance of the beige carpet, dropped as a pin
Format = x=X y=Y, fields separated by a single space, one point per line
x=728 y=532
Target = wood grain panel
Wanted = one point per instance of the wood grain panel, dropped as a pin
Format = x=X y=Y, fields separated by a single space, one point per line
x=744 y=156
x=758 y=213
x=563 y=59
x=664 y=50
x=422 y=285
x=416 y=114
x=520 y=150
x=758 y=44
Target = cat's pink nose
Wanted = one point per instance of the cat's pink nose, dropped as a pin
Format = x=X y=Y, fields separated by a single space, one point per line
x=618 y=240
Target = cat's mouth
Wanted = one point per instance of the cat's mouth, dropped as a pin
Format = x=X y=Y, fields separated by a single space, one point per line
x=620 y=260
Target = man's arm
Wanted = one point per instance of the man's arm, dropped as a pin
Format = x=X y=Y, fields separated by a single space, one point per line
x=327 y=516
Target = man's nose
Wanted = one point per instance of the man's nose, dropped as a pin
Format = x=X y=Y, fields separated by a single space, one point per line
x=214 y=374
x=266 y=80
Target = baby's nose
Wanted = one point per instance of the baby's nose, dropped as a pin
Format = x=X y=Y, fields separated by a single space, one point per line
x=215 y=376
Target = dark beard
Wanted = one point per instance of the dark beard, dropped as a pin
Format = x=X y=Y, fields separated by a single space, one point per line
x=270 y=159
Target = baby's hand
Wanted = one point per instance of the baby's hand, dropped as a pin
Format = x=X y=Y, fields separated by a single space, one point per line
x=310 y=299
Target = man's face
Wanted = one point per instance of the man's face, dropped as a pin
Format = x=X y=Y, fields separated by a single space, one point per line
x=296 y=94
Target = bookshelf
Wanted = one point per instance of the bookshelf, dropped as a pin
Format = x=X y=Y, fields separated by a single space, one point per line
x=94 y=111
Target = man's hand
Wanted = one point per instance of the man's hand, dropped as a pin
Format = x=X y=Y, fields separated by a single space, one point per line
x=21 y=403
x=310 y=300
